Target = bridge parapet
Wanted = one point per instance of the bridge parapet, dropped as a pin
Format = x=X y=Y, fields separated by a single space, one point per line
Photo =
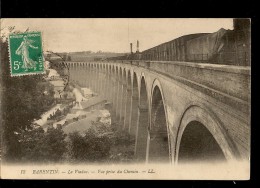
x=232 y=80
x=227 y=83
x=145 y=64
x=220 y=81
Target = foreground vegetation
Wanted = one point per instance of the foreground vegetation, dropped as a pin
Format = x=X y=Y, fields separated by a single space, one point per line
x=24 y=100
x=96 y=145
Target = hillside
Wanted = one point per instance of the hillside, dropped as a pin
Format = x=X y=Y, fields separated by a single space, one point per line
x=86 y=55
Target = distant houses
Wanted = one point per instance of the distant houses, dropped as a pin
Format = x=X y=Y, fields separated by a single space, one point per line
x=87 y=93
x=95 y=103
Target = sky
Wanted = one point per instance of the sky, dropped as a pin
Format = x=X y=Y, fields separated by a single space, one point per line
x=113 y=35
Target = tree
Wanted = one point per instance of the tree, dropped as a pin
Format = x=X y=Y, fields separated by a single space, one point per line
x=89 y=148
x=40 y=146
x=23 y=101
x=69 y=58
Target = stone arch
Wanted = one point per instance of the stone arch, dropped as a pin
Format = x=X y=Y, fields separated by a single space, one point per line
x=123 y=96
x=129 y=79
x=143 y=122
x=119 y=94
x=120 y=73
x=134 y=105
x=203 y=123
x=124 y=78
x=158 y=137
x=127 y=120
x=135 y=85
x=117 y=71
x=112 y=69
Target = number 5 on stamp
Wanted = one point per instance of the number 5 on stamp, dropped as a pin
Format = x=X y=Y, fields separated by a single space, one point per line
x=26 y=56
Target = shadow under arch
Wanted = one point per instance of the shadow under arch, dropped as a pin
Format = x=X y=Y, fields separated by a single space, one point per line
x=143 y=123
x=158 y=137
x=127 y=120
x=204 y=138
x=134 y=105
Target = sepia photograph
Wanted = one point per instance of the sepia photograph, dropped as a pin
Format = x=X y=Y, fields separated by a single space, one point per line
x=125 y=98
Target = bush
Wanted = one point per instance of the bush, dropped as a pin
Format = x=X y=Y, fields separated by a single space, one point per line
x=89 y=148
x=123 y=138
x=123 y=146
x=23 y=102
x=40 y=146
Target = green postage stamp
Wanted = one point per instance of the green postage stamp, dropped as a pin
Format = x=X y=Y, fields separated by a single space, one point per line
x=26 y=56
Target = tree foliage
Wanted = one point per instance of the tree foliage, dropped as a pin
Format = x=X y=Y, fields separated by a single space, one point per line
x=89 y=148
x=40 y=146
x=24 y=99
x=123 y=146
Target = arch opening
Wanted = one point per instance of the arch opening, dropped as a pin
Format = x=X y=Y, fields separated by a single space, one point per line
x=134 y=110
x=129 y=79
x=143 y=123
x=158 y=141
x=198 y=145
x=127 y=120
x=124 y=98
x=120 y=94
x=124 y=76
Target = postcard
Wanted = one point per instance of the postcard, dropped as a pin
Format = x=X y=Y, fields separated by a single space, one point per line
x=128 y=98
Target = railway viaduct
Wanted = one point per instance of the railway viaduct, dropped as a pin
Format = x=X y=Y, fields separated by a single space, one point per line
x=177 y=111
